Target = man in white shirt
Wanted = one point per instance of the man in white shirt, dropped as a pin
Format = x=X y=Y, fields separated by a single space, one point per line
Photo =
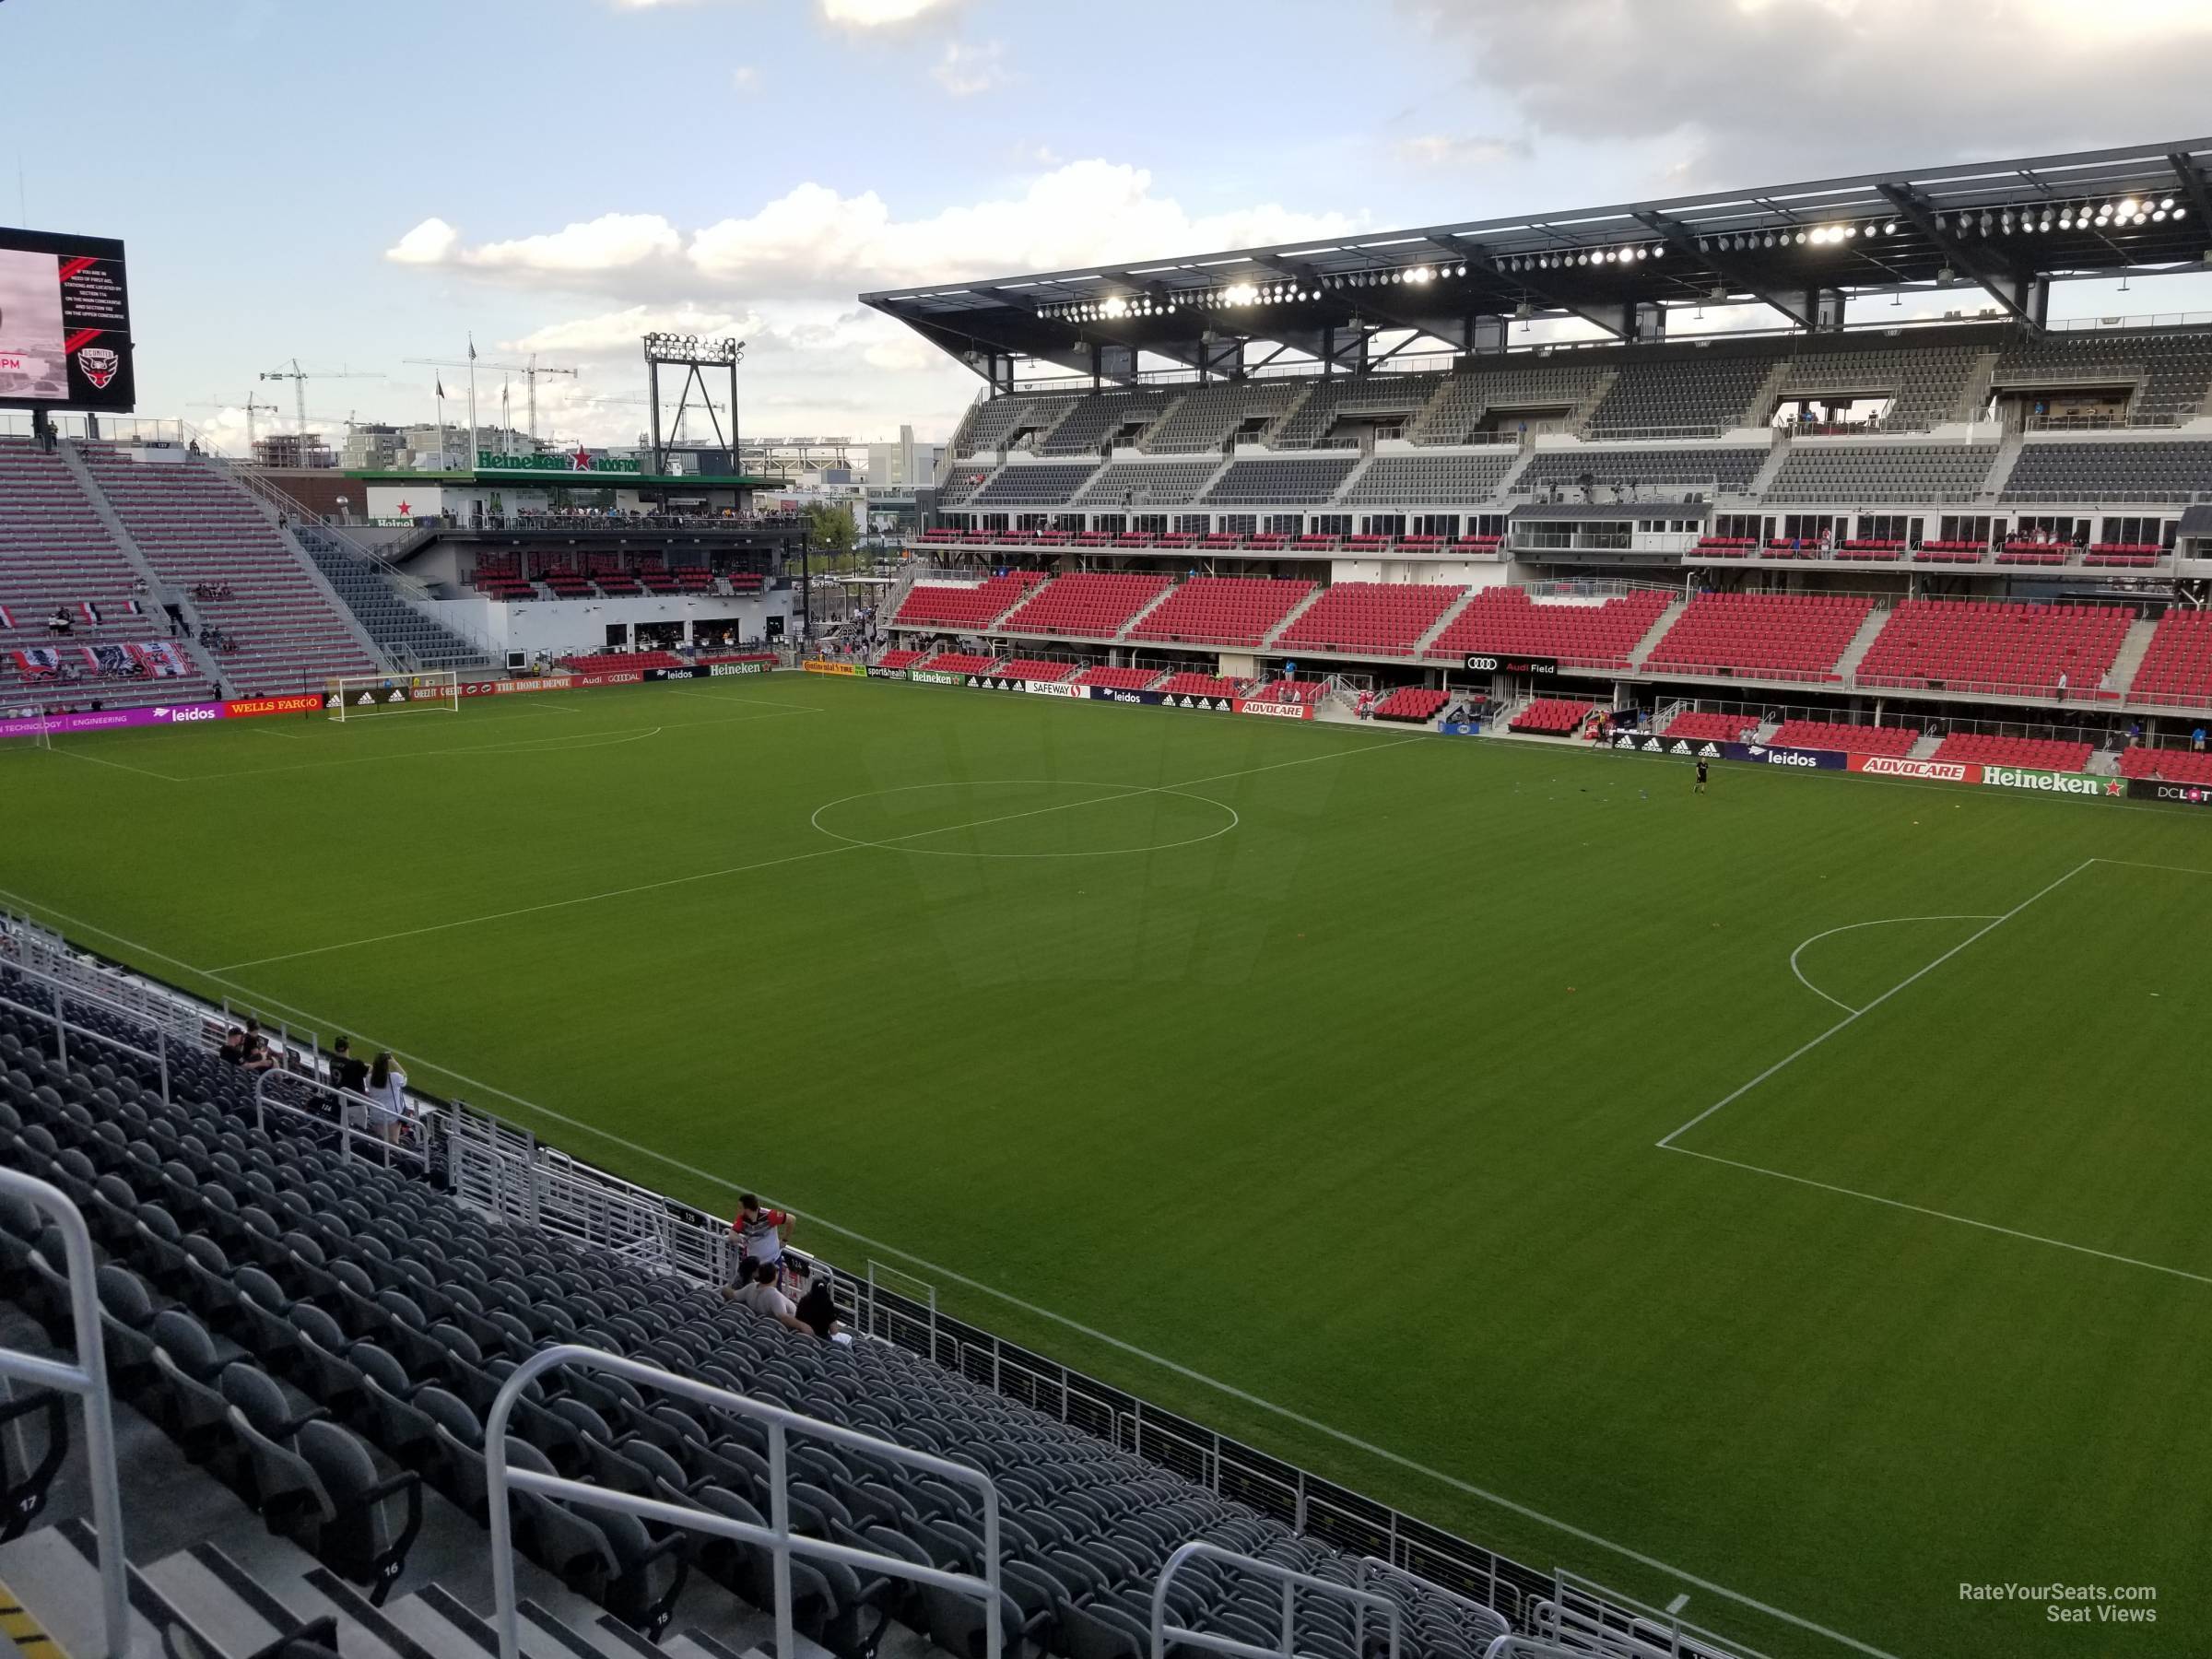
x=760 y=1294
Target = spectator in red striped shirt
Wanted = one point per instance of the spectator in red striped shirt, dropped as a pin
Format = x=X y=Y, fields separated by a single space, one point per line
x=760 y=1233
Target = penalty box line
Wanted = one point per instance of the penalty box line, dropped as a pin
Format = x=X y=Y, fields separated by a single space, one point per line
x=1665 y=1142
x=953 y=1276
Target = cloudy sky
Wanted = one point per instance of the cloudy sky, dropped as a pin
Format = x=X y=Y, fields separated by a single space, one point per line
x=354 y=186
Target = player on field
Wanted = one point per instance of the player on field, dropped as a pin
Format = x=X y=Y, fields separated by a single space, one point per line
x=1699 y=788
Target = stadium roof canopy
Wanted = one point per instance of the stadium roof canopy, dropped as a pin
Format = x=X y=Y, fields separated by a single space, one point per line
x=2011 y=228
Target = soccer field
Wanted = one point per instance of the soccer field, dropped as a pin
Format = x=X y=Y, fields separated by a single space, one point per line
x=1794 y=1195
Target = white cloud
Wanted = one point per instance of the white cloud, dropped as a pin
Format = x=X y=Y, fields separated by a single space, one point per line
x=784 y=279
x=1739 y=88
x=883 y=13
x=1439 y=150
x=815 y=240
x=964 y=71
x=430 y=242
x=619 y=330
x=611 y=242
x=745 y=78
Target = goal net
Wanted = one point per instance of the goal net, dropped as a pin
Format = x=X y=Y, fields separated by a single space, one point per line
x=23 y=728
x=359 y=696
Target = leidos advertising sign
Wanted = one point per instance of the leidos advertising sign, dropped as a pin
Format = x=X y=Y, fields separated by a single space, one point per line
x=2051 y=782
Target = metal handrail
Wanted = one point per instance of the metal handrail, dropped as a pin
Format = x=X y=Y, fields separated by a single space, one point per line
x=88 y=1379
x=1466 y=1604
x=62 y=987
x=352 y=1111
x=777 y=1535
x=1290 y=1580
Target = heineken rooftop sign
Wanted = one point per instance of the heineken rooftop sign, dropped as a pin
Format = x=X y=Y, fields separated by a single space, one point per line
x=578 y=460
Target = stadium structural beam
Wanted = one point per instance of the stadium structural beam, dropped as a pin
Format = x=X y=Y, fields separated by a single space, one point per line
x=2021 y=292
x=1618 y=322
x=2193 y=185
x=1735 y=272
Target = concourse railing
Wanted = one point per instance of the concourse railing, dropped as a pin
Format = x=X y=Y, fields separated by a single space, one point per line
x=87 y=1379
x=1292 y=1581
x=777 y=1536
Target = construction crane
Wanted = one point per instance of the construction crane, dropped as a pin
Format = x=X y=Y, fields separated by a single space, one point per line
x=299 y=377
x=529 y=371
x=251 y=409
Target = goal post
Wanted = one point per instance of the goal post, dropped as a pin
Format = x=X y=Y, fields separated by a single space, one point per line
x=24 y=729
x=360 y=696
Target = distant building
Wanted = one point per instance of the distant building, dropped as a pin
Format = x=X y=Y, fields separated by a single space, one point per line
x=903 y=466
x=297 y=450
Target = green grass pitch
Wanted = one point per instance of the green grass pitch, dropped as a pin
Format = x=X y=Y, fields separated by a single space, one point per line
x=1333 y=1064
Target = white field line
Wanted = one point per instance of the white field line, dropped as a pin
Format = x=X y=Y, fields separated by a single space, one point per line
x=1922 y=1209
x=1856 y=1014
x=952 y=1276
x=78 y=754
x=791 y=858
x=1854 y=927
x=504 y=745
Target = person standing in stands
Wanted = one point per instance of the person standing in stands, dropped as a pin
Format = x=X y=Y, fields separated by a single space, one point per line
x=387 y=1096
x=760 y=1233
x=347 y=1070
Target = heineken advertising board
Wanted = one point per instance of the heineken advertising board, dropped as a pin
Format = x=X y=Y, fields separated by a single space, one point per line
x=576 y=461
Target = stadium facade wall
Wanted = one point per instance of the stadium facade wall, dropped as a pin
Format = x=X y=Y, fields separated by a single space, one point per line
x=570 y=627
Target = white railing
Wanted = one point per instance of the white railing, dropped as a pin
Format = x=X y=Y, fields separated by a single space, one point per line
x=1182 y=1636
x=505 y=1170
x=88 y=1379
x=59 y=993
x=499 y=1480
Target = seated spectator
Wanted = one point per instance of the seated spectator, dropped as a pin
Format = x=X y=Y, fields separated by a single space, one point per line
x=257 y=1057
x=233 y=1051
x=817 y=1309
x=761 y=1295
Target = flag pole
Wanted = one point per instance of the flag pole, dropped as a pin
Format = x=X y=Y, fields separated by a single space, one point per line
x=472 y=403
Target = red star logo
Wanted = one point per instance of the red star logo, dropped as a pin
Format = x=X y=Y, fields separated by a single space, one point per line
x=405 y=510
x=580 y=459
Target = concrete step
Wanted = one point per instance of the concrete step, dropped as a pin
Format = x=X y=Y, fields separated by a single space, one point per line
x=56 y=1586
x=1855 y=653
x=223 y=1599
x=151 y=1607
x=1656 y=632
